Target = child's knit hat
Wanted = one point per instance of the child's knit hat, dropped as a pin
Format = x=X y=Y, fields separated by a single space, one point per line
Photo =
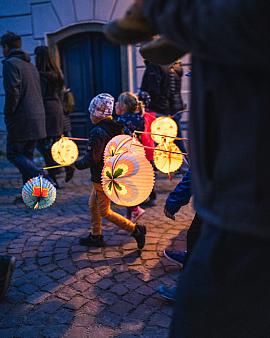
x=101 y=106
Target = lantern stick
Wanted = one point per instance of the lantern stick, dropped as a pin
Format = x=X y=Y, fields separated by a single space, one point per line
x=153 y=148
x=149 y=133
x=78 y=139
x=55 y=166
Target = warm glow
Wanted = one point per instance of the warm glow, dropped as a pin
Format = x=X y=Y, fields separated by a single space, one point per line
x=164 y=126
x=120 y=144
x=65 y=151
x=128 y=178
x=167 y=157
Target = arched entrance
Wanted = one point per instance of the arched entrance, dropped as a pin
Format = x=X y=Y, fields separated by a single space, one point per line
x=91 y=65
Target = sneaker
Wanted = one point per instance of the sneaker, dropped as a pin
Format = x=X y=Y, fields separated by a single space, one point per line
x=136 y=214
x=178 y=257
x=139 y=235
x=161 y=51
x=167 y=293
x=92 y=240
x=130 y=29
x=7 y=265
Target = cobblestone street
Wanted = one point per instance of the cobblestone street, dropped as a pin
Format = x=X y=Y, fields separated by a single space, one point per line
x=61 y=289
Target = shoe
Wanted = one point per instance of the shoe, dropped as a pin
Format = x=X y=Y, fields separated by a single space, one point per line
x=161 y=51
x=92 y=240
x=69 y=173
x=178 y=257
x=139 y=235
x=130 y=29
x=7 y=265
x=167 y=293
x=136 y=214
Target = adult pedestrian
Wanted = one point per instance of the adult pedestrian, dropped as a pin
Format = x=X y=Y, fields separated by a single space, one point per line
x=52 y=85
x=24 y=110
x=156 y=82
x=224 y=290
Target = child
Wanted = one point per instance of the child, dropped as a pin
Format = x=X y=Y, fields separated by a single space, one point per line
x=101 y=108
x=126 y=109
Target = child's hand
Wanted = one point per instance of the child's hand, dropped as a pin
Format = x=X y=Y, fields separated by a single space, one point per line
x=168 y=214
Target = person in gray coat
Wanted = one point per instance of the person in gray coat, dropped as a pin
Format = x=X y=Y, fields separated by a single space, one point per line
x=24 y=110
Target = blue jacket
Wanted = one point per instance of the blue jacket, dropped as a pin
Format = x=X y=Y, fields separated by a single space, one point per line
x=181 y=194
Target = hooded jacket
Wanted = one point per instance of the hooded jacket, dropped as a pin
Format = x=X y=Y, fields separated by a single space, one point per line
x=230 y=109
x=99 y=136
x=24 y=110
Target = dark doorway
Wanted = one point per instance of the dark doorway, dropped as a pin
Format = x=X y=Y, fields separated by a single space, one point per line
x=91 y=65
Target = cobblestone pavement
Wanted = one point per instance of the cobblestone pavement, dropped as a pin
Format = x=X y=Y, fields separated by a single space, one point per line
x=61 y=289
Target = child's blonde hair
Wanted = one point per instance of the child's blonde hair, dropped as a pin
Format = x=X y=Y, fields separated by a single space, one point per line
x=129 y=100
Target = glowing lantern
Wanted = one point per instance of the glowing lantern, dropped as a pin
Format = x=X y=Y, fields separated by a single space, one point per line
x=121 y=144
x=38 y=193
x=65 y=151
x=167 y=157
x=128 y=179
x=164 y=126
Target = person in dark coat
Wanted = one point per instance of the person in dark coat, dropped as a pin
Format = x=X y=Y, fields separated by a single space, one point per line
x=24 y=110
x=224 y=290
x=52 y=84
x=156 y=82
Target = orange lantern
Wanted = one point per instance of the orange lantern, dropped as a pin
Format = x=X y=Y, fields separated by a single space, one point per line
x=65 y=151
x=128 y=179
x=121 y=144
x=164 y=126
x=168 y=157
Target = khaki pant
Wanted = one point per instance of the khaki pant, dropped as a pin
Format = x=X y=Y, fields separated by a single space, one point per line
x=100 y=206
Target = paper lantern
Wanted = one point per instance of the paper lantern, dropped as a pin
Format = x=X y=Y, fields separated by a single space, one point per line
x=164 y=126
x=128 y=179
x=167 y=157
x=38 y=193
x=65 y=151
x=121 y=144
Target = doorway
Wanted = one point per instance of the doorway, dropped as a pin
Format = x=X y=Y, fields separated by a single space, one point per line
x=91 y=65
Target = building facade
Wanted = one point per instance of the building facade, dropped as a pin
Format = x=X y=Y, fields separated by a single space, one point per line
x=73 y=30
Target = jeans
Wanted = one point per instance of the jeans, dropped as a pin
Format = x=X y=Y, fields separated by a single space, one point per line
x=100 y=206
x=20 y=154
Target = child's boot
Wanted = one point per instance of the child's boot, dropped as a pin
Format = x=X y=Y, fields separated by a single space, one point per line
x=139 y=235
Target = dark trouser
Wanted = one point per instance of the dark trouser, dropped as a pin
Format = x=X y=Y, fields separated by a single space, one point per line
x=193 y=234
x=20 y=154
x=224 y=290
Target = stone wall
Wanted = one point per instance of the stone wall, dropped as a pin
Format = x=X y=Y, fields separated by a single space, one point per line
x=34 y=19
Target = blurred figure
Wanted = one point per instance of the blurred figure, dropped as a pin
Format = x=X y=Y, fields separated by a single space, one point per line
x=24 y=110
x=52 y=85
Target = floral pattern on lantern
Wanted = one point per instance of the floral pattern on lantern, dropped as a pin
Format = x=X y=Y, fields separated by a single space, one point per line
x=128 y=178
x=65 y=151
x=121 y=144
x=38 y=193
